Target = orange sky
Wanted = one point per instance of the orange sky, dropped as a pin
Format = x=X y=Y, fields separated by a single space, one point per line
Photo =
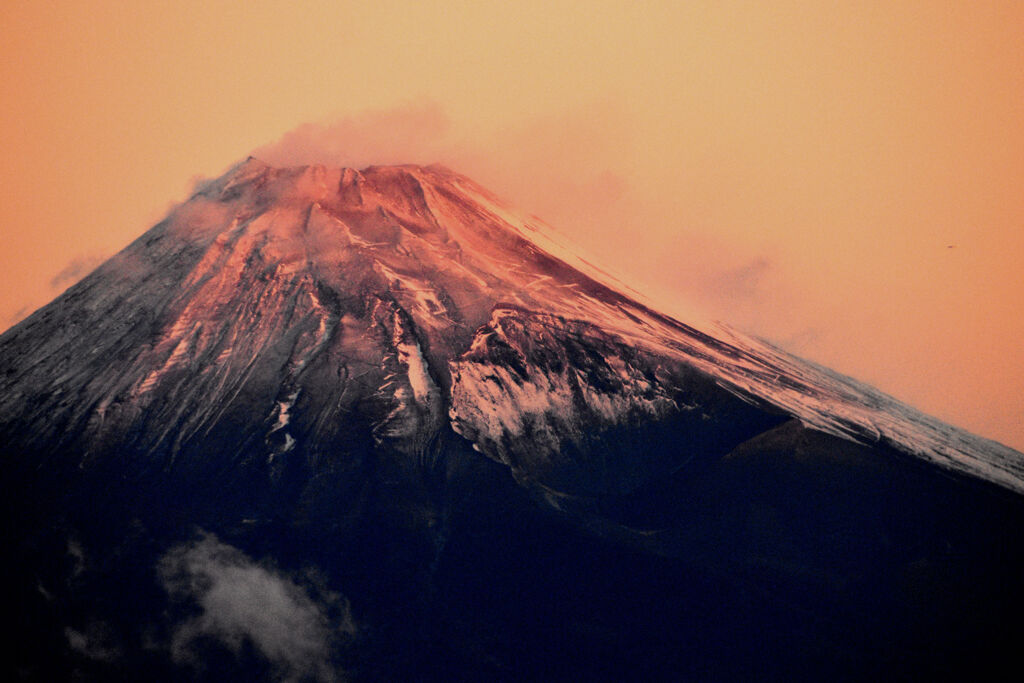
x=797 y=168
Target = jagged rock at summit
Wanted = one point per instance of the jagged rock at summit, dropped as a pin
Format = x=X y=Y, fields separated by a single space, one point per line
x=323 y=423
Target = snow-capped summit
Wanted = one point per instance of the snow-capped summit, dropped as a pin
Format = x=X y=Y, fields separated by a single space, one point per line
x=370 y=371
x=409 y=278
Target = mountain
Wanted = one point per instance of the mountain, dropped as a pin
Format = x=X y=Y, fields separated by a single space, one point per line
x=322 y=423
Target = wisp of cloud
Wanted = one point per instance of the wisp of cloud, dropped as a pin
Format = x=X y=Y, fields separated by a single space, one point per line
x=243 y=602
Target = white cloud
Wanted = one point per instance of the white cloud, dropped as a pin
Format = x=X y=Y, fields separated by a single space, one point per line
x=243 y=601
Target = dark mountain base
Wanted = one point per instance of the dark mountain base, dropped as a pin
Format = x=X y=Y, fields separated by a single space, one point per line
x=797 y=556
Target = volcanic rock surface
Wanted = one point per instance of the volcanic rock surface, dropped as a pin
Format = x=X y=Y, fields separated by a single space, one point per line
x=323 y=423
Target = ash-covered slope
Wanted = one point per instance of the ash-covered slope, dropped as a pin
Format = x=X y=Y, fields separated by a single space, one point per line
x=388 y=377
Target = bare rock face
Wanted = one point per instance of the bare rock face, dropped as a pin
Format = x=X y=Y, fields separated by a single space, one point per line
x=324 y=423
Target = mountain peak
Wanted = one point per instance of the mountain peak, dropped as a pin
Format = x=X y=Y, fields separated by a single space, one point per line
x=388 y=372
x=316 y=251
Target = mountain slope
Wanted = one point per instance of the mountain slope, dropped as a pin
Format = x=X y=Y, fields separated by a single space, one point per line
x=389 y=377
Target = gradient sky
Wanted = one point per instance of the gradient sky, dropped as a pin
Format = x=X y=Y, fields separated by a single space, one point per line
x=800 y=169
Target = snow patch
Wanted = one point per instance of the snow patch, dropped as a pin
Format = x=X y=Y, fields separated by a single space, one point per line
x=493 y=406
x=423 y=294
x=411 y=356
x=283 y=410
x=182 y=350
